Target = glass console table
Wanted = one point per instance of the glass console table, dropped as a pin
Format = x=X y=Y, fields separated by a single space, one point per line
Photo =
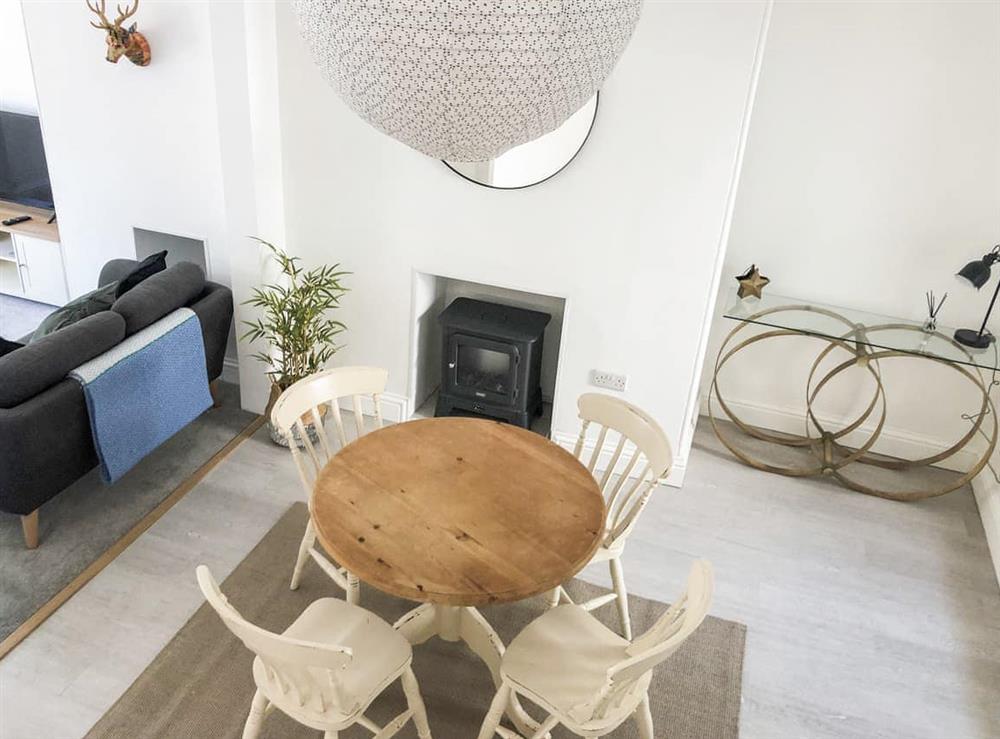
x=850 y=339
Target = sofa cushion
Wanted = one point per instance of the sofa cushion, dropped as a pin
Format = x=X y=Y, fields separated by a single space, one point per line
x=76 y=310
x=156 y=296
x=39 y=365
x=146 y=268
x=114 y=269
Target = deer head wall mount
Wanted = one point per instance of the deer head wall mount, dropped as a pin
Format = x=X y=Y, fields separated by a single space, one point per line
x=121 y=40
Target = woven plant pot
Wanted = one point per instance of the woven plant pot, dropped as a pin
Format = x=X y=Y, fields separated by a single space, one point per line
x=282 y=439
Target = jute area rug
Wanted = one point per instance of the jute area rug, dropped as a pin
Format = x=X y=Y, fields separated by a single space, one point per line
x=200 y=684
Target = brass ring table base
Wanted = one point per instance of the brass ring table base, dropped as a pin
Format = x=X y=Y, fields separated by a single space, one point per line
x=828 y=455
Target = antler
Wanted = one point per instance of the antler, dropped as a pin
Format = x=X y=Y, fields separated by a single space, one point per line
x=99 y=10
x=124 y=15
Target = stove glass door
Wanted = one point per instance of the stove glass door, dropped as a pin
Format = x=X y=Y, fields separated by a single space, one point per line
x=483 y=369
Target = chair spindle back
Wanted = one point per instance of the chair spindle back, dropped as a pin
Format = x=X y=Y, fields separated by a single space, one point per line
x=301 y=404
x=662 y=639
x=306 y=672
x=641 y=460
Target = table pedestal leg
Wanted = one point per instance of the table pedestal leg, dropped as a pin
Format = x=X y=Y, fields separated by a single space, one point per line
x=460 y=623
x=418 y=625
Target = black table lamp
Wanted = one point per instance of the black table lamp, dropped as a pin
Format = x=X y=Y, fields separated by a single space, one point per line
x=977 y=273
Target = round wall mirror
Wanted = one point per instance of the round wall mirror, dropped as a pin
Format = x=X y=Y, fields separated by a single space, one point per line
x=535 y=161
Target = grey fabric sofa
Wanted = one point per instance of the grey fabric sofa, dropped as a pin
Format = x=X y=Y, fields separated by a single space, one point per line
x=45 y=437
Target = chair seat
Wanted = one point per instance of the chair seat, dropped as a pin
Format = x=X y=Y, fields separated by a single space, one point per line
x=561 y=661
x=380 y=655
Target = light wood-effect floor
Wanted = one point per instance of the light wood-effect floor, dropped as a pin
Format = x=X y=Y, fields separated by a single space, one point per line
x=867 y=618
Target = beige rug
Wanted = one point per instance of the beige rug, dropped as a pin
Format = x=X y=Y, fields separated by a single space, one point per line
x=200 y=684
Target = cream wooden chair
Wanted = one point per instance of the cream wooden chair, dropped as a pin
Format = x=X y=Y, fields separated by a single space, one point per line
x=300 y=404
x=587 y=677
x=326 y=668
x=640 y=462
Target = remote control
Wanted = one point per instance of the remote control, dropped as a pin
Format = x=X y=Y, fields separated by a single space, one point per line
x=15 y=220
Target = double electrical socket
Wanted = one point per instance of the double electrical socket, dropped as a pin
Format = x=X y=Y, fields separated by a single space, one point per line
x=609 y=380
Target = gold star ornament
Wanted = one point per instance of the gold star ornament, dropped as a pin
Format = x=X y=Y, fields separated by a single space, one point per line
x=752 y=282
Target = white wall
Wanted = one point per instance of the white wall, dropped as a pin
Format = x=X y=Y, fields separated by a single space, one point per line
x=871 y=175
x=629 y=234
x=129 y=146
x=17 y=87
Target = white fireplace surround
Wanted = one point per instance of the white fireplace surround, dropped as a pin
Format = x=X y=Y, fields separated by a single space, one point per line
x=431 y=294
x=631 y=237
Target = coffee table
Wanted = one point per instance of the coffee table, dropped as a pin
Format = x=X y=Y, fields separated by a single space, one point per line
x=457 y=513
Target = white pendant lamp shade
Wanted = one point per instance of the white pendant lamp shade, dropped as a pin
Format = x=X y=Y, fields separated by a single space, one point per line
x=466 y=80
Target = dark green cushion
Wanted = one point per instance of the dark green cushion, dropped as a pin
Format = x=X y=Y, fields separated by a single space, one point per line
x=146 y=268
x=6 y=347
x=93 y=302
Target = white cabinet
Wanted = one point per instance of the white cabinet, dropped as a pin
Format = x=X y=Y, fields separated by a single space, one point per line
x=31 y=263
x=42 y=270
x=10 y=271
x=32 y=268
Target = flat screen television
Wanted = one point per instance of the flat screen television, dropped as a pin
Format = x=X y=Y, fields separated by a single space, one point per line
x=24 y=175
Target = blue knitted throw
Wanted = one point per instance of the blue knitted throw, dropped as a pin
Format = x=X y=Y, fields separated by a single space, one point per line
x=145 y=390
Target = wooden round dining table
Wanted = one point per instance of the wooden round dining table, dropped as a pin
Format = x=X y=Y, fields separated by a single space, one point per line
x=457 y=513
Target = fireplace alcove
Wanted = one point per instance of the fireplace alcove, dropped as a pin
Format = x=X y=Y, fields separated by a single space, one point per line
x=178 y=248
x=432 y=294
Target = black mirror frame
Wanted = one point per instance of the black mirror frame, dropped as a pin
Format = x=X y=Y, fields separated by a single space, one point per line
x=590 y=130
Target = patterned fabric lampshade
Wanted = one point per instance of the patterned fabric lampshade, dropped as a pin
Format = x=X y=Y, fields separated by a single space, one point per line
x=466 y=80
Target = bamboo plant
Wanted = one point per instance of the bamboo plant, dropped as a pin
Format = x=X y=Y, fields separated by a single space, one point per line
x=294 y=322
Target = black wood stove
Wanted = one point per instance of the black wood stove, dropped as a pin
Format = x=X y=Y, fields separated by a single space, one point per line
x=492 y=363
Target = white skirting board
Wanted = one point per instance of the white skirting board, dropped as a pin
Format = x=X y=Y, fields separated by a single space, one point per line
x=987 y=491
x=891 y=442
x=896 y=443
x=230 y=370
x=395 y=408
